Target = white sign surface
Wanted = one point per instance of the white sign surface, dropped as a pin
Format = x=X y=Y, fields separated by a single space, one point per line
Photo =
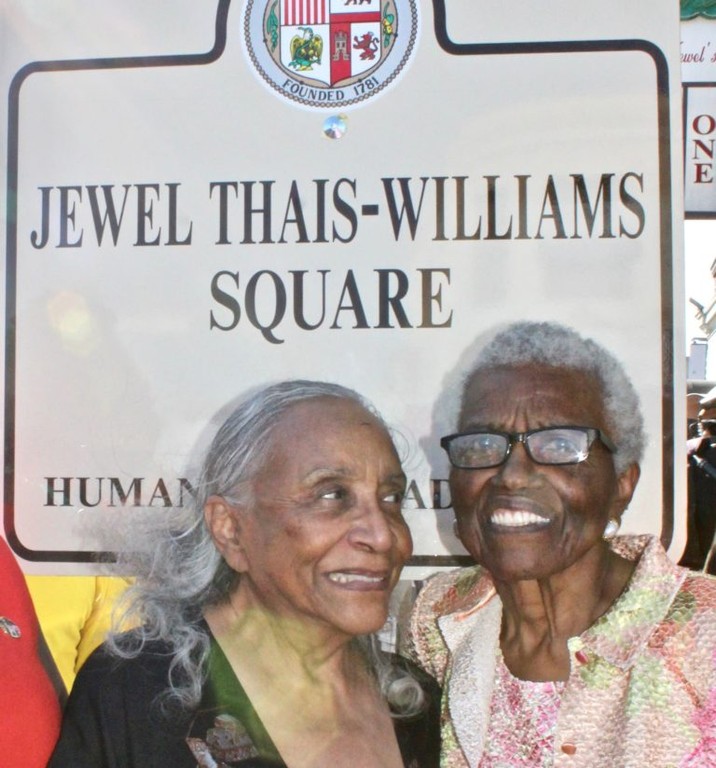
x=698 y=72
x=204 y=199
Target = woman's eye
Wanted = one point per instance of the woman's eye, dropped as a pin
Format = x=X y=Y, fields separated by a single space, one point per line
x=561 y=446
x=395 y=498
x=334 y=494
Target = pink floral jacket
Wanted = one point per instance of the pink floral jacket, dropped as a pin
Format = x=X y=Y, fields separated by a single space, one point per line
x=642 y=687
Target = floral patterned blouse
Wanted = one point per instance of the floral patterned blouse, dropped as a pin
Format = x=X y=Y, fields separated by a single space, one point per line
x=641 y=689
x=523 y=721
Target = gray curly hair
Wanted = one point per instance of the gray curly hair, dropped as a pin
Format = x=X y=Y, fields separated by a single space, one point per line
x=555 y=345
x=183 y=573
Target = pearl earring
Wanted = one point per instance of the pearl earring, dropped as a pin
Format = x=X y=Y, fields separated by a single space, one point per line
x=611 y=529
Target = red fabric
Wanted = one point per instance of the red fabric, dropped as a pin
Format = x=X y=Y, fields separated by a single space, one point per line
x=30 y=713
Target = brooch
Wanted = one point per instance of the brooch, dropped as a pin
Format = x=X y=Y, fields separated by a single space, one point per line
x=9 y=627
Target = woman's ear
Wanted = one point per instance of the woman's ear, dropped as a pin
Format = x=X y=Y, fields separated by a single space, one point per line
x=225 y=523
x=626 y=485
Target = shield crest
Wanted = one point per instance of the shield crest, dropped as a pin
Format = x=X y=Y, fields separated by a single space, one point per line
x=330 y=42
x=330 y=53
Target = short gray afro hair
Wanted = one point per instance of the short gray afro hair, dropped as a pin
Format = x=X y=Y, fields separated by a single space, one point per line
x=557 y=346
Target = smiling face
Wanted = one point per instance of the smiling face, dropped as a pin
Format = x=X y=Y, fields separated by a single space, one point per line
x=523 y=520
x=323 y=540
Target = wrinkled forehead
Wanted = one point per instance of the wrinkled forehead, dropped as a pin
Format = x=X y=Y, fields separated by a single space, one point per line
x=552 y=394
x=322 y=423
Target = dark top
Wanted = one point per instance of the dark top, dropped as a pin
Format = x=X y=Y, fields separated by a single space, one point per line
x=701 y=518
x=113 y=719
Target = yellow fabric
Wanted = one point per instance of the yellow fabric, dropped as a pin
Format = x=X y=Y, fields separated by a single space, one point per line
x=75 y=613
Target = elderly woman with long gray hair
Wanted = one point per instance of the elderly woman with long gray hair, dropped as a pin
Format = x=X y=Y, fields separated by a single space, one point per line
x=257 y=612
x=567 y=644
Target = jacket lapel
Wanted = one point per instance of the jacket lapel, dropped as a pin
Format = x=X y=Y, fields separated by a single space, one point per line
x=472 y=638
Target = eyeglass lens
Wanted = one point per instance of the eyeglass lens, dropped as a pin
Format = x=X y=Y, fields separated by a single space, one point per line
x=562 y=445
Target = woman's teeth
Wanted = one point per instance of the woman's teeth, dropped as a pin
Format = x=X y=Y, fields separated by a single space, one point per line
x=517 y=519
x=346 y=578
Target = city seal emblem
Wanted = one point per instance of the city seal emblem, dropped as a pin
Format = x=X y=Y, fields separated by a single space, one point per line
x=330 y=53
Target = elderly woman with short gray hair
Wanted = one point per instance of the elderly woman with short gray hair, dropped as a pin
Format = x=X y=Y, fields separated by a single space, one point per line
x=257 y=611
x=566 y=645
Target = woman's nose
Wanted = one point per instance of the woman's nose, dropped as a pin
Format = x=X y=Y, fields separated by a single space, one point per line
x=517 y=469
x=371 y=528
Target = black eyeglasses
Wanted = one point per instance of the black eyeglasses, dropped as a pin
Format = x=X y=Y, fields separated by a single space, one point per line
x=550 y=445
